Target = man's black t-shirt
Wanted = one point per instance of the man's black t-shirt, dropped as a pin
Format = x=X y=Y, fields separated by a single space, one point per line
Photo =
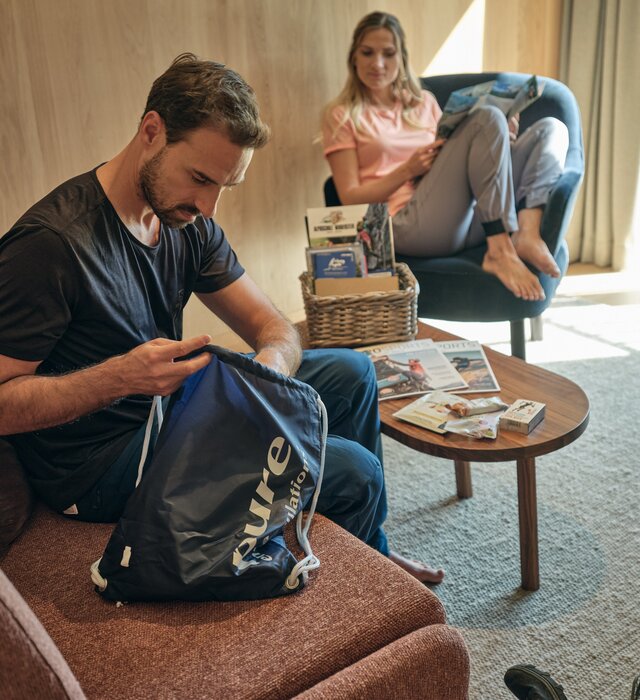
x=77 y=288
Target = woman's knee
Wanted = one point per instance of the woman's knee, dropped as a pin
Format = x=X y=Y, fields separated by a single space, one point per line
x=548 y=129
x=555 y=132
x=490 y=117
x=552 y=125
x=549 y=138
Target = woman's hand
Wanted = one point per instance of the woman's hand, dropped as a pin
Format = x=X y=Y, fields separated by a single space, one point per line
x=422 y=159
x=514 y=127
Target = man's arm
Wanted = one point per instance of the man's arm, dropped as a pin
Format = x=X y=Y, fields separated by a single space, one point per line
x=245 y=308
x=30 y=402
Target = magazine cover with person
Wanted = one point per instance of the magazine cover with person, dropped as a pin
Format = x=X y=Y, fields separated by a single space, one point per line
x=412 y=368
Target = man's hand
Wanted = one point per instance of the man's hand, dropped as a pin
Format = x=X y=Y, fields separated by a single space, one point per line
x=31 y=402
x=153 y=367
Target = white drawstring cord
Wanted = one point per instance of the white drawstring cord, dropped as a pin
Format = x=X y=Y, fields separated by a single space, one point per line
x=156 y=407
x=310 y=562
x=97 y=577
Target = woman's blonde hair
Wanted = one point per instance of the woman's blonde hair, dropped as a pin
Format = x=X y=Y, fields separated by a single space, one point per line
x=406 y=87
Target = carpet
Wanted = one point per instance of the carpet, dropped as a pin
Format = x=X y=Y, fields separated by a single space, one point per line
x=583 y=625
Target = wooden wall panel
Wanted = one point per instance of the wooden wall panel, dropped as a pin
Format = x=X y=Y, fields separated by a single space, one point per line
x=74 y=75
x=523 y=34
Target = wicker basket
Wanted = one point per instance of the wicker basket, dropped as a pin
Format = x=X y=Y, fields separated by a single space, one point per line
x=361 y=319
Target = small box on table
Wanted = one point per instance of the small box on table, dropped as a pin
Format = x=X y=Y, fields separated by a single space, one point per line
x=522 y=416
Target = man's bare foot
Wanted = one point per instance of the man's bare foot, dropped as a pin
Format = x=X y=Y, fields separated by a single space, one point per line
x=532 y=249
x=502 y=261
x=417 y=569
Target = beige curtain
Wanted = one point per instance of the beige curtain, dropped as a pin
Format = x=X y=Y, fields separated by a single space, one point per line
x=601 y=65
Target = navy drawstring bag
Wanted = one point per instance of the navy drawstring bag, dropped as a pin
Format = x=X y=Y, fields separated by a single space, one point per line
x=240 y=453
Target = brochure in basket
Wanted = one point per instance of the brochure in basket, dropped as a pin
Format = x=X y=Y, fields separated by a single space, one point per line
x=412 y=368
x=469 y=358
x=368 y=224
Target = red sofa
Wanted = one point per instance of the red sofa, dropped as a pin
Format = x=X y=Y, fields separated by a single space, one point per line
x=362 y=628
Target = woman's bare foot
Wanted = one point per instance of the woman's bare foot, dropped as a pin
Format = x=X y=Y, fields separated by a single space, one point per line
x=531 y=248
x=417 y=569
x=502 y=261
x=529 y=245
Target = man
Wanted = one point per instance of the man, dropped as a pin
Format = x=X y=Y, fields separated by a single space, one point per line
x=93 y=282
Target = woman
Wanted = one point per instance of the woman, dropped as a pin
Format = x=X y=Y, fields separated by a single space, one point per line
x=483 y=183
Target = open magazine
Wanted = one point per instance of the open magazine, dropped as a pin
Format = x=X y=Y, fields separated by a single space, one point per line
x=442 y=412
x=411 y=368
x=469 y=358
x=512 y=97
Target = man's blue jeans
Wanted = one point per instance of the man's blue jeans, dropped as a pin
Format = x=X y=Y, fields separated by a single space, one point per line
x=353 y=491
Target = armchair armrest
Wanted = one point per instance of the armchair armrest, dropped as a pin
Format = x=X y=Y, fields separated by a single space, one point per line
x=559 y=208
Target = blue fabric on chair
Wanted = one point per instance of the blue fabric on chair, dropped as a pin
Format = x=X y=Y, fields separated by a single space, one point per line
x=456 y=288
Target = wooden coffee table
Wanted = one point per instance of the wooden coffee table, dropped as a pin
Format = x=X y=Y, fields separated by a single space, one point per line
x=566 y=418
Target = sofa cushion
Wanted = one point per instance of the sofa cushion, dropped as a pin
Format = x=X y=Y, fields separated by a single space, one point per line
x=431 y=662
x=356 y=603
x=30 y=664
x=16 y=498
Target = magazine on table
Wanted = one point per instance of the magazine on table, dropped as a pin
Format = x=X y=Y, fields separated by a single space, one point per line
x=512 y=97
x=469 y=358
x=442 y=412
x=412 y=368
x=367 y=224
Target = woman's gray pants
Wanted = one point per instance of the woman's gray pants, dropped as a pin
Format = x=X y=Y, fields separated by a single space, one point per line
x=478 y=182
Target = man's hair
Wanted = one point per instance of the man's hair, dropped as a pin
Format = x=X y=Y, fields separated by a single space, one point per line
x=192 y=94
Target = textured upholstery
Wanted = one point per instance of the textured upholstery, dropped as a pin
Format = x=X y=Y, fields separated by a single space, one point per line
x=420 y=665
x=16 y=498
x=356 y=604
x=456 y=288
x=30 y=664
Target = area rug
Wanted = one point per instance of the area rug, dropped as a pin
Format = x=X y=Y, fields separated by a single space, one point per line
x=583 y=624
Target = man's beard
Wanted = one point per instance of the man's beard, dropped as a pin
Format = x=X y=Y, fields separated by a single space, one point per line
x=148 y=185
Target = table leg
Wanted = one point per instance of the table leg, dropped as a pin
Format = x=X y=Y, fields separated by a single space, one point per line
x=528 y=516
x=463 y=479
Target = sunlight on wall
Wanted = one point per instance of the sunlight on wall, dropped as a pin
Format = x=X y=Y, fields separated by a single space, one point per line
x=462 y=51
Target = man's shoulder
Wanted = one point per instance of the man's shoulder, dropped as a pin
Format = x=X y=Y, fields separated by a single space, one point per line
x=203 y=230
x=70 y=207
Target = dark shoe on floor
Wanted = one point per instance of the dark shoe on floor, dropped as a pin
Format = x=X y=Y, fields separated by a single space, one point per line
x=526 y=682
x=635 y=690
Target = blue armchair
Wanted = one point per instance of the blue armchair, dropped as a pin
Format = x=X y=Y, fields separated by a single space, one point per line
x=456 y=288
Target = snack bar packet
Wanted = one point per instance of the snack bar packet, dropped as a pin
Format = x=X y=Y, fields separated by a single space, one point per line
x=484 y=425
x=467 y=407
